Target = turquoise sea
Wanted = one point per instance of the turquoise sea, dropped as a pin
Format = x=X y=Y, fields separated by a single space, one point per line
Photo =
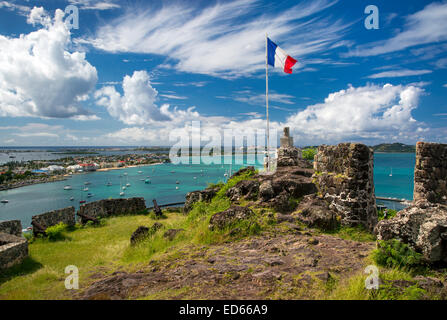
x=31 y=200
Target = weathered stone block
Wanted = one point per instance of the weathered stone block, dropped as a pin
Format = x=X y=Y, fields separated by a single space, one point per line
x=13 y=250
x=288 y=156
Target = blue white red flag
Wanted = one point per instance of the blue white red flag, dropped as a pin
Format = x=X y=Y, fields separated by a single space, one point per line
x=276 y=57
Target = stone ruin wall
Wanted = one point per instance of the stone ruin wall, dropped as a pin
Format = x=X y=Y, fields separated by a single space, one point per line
x=52 y=218
x=13 y=227
x=13 y=247
x=430 y=173
x=423 y=225
x=112 y=207
x=344 y=178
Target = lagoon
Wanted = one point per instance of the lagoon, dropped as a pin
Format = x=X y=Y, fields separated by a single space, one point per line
x=35 y=199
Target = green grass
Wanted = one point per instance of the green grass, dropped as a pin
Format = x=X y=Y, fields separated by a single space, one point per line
x=390 y=214
x=106 y=248
x=396 y=254
x=309 y=153
x=42 y=275
x=356 y=233
x=354 y=288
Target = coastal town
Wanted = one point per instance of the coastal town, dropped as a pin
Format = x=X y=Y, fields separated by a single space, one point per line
x=15 y=174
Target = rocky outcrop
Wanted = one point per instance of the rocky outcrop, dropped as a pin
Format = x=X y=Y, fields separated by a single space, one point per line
x=430 y=174
x=196 y=196
x=248 y=189
x=344 y=177
x=275 y=190
x=287 y=183
x=52 y=218
x=13 y=250
x=423 y=226
x=13 y=227
x=113 y=207
x=230 y=216
x=314 y=211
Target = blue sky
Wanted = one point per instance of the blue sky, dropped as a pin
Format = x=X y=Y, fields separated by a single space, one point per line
x=136 y=71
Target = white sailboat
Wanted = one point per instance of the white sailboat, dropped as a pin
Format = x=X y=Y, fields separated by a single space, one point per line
x=391 y=173
x=121 y=192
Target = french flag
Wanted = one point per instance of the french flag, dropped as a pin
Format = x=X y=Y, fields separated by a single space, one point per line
x=276 y=57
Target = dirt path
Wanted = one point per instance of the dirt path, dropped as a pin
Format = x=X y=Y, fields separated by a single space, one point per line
x=289 y=264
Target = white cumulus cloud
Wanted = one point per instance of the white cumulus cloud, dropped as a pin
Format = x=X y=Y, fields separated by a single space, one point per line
x=39 y=76
x=362 y=113
x=137 y=105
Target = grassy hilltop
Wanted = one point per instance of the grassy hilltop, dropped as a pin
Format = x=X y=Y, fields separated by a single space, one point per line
x=262 y=258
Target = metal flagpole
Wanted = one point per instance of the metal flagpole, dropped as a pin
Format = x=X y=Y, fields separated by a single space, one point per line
x=267 y=101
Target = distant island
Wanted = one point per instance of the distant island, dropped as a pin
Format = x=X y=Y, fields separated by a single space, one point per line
x=384 y=147
x=394 y=147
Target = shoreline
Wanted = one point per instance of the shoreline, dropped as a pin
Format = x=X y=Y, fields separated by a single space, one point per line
x=132 y=166
x=27 y=183
x=63 y=177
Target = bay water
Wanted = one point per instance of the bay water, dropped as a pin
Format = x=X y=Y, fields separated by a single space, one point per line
x=35 y=199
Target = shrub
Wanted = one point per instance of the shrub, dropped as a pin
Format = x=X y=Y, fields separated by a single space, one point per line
x=309 y=153
x=55 y=232
x=395 y=254
x=390 y=214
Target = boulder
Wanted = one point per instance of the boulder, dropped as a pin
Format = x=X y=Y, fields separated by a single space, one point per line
x=266 y=191
x=230 y=216
x=423 y=226
x=143 y=232
x=196 y=196
x=314 y=212
x=247 y=189
x=281 y=202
